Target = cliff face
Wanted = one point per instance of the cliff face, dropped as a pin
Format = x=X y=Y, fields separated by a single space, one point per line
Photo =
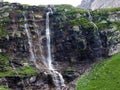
x=1 y=0
x=86 y=4
x=97 y=4
x=77 y=41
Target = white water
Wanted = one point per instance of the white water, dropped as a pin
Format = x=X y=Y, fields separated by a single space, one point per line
x=32 y=54
x=36 y=54
x=57 y=77
x=49 y=58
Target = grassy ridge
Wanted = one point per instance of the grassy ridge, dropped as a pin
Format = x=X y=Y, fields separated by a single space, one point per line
x=104 y=76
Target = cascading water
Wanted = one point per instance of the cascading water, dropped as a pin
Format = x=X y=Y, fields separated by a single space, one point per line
x=32 y=54
x=49 y=58
x=57 y=77
x=37 y=55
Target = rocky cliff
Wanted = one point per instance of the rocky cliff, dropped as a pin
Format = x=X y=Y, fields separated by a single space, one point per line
x=79 y=38
x=1 y=0
x=97 y=4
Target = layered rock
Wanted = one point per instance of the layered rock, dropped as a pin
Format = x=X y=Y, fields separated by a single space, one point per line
x=97 y=4
x=1 y=0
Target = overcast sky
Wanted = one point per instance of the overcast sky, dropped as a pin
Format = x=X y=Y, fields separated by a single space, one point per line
x=46 y=2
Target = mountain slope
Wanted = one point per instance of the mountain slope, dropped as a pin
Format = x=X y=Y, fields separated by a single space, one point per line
x=97 y=4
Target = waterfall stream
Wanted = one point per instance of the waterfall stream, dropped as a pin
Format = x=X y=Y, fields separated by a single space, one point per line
x=36 y=54
x=57 y=77
x=49 y=58
x=32 y=54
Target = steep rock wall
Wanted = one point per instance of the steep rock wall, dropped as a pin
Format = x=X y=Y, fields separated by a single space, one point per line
x=75 y=41
x=98 y=4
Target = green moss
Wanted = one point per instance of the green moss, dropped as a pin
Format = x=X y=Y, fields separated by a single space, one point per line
x=7 y=70
x=8 y=10
x=64 y=6
x=27 y=70
x=69 y=8
x=24 y=71
x=19 y=11
x=3 y=32
x=103 y=26
x=4 y=88
x=104 y=76
x=4 y=60
x=82 y=22
x=111 y=9
x=108 y=25
x=6 y=20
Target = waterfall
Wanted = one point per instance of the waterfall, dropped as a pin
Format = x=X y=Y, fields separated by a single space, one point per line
x=57 y=77
x=49 y=58
x=36 y=50
x=32 y=54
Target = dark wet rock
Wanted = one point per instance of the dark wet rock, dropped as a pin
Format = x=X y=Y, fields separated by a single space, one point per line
x=70 y=76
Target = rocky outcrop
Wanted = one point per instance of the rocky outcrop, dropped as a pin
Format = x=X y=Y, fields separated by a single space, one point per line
x=1 y=0
x=86 y=4
x=97 y=4
x=76 y=42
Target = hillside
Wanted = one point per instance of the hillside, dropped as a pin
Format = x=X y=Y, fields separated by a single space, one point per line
x=103 y=76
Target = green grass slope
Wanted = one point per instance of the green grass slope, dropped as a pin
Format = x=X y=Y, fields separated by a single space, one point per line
x=3 y=88
x=104 y=76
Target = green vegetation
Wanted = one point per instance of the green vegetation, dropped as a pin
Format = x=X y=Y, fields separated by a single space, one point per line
x=4 y=60
x=26 y=5
x=79 y=17
x=104 y=76
x=110 y=9
x=3 y=88
x=7 y=70
x=25 y=71
x=82 y=22
x=69 y=10
x=3 y=24
x=108 y=25
x=19 y=11
x=64 y=6
x=103 y=26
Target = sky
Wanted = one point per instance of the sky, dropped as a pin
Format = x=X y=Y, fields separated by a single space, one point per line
x=46 y=2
